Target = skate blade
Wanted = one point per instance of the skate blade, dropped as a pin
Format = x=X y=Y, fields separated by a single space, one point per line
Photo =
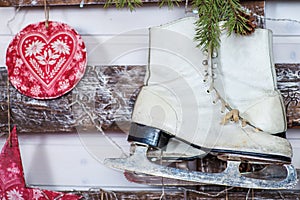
x=147 y=179
x=231 y=176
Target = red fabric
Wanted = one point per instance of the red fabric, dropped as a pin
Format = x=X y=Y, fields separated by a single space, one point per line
x=45 y=63
x=12 y=182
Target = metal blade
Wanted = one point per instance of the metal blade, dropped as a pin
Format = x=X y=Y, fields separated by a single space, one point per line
x=231 y=176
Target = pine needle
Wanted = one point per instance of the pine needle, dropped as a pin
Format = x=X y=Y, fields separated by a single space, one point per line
x=211 y=13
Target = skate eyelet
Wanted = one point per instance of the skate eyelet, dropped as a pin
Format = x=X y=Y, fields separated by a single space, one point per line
x=214 y=54
x=205 y=62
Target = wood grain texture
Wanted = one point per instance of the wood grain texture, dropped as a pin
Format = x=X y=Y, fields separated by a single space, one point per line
x=200 y=193
x=288 y=78
x=15 y=3
x=105 y=97
x=32 y=3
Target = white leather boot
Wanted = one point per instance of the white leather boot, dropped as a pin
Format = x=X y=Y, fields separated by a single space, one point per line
x=178 y=102
x=244 y=74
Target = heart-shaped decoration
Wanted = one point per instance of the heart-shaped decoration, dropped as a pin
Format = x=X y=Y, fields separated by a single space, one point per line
x=46 y=62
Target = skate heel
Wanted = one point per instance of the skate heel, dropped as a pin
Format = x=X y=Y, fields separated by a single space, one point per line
x=148 y=135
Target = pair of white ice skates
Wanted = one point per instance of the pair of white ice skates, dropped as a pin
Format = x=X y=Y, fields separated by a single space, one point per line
x=186 y=95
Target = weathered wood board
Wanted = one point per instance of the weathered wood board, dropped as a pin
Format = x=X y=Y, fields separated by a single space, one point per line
x=106 y=96
x=203 y=192
x=16 y=3
x=288 y=78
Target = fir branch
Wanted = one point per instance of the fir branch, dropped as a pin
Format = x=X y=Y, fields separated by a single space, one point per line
x=131 y=4
x=211 y=13
x=169 y=3
x=207 y=26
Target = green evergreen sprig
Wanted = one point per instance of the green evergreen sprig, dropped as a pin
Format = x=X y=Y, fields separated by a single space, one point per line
x=132 y=4
x=207 y=26
x=169 y=3
x=211 y=13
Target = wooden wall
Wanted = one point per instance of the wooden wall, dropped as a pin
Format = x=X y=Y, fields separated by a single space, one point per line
x=105 y=95
x=58 y=116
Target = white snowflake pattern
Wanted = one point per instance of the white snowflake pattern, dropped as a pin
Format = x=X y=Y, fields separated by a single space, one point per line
x=14 y=195
x=78 y=74
x=16 y=71
x=14 y=170
x=24 y=88
x=60 y=47
x=11 y=48
x=31 y=78
x=34 y=48
x=26 y=73
x=16 y=81
x=78 y=56
x=71 y=77
x=63 y=85
x=35 y=90
x=19 y=62
x=37 y=194
x=82 y=66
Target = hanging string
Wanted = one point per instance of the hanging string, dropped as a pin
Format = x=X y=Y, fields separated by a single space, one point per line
x=270 y=18
x=46 y=10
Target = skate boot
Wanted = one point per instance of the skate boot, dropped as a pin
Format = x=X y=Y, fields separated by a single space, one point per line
x=184 y=102
x=254 y=93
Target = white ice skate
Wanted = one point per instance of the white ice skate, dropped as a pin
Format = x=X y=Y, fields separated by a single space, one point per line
x=186 y=91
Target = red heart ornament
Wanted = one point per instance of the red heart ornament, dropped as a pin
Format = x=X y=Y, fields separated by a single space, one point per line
x=46 y=62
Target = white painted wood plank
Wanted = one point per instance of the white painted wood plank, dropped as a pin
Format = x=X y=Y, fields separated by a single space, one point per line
x=103 y=29
x=90 y=20
x=67 y=162
x=128 y=48
x=72 y=161
x=286 y=49
x=287 y=9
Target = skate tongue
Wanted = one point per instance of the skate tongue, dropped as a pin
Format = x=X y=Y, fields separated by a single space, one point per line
x=231 y=176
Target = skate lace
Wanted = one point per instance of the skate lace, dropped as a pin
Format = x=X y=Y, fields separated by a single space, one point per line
x=231 y=114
